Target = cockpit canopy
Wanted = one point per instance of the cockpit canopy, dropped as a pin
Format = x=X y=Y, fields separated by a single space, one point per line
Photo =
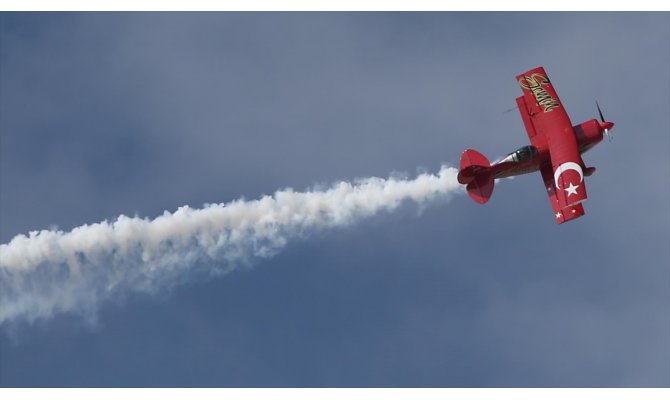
x=522 y=155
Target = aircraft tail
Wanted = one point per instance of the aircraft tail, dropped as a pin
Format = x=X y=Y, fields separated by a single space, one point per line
x=476 y=173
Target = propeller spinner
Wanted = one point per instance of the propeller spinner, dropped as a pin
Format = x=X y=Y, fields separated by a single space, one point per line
x=606 y=126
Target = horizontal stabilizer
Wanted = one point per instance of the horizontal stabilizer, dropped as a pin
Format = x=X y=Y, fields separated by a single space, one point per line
x=473 y=163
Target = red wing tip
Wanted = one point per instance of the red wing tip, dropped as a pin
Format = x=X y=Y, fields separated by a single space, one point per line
x=569 y=213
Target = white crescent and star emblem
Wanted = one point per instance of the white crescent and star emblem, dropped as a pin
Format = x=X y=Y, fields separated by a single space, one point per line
x=572 y=189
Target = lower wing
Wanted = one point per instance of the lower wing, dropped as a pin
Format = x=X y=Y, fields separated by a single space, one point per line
x=561 y=214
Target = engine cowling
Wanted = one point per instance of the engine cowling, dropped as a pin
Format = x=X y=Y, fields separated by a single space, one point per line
x=588 y=134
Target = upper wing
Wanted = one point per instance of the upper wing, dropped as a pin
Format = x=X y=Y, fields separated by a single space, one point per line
x=540 y=107
x=535 y=139
x=551 y=128
x=541 y=103
x=562 y=214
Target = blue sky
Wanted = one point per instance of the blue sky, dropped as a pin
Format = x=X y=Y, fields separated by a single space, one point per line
x=109 y=114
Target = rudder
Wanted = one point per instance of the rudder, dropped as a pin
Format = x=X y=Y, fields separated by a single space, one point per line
x=480 y=188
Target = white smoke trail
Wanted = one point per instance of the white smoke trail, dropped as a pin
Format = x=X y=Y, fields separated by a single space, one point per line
x=52 y=271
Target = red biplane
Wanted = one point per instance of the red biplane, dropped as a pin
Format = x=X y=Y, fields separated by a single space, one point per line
x=555 y=150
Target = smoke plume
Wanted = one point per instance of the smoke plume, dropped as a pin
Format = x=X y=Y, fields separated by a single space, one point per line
x=51 y=271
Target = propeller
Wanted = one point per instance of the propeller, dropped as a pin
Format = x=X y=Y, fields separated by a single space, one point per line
x=604 y=124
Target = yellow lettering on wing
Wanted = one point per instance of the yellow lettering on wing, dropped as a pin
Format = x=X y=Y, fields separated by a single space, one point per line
x=534 y=84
